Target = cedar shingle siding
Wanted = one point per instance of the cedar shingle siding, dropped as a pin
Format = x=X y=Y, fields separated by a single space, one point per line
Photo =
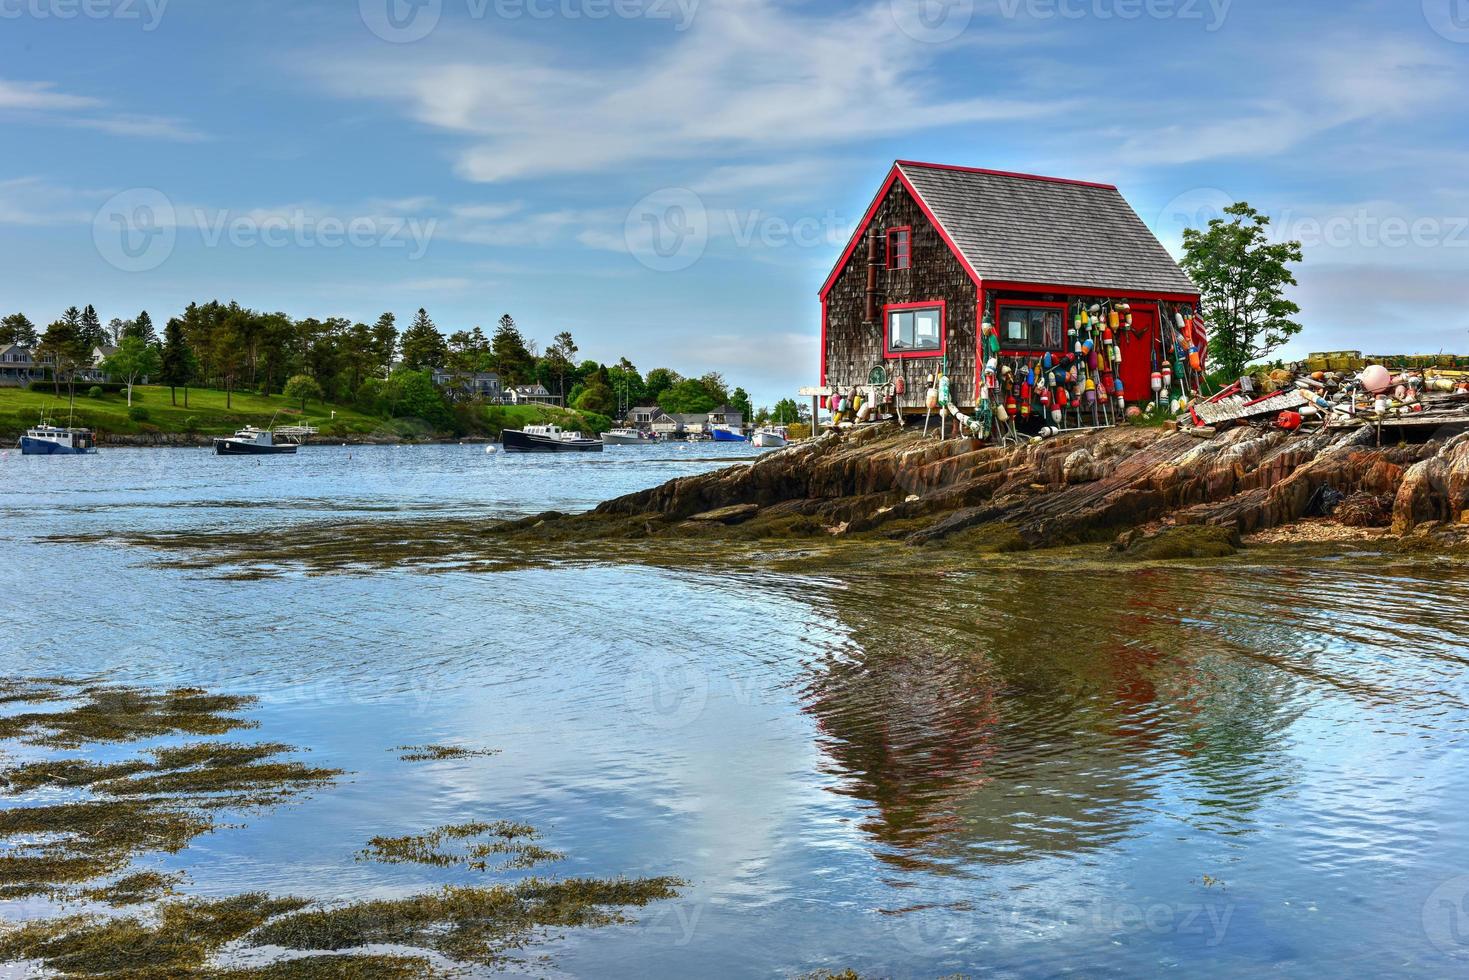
x=1016 y=229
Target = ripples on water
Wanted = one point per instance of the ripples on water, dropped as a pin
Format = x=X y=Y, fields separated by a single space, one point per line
x=1026 y=769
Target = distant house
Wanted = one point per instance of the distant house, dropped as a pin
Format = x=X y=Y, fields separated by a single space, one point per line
x=728 y=417
x=664 y=424
x=93 y=372
x=479 y=384
x=692 y=424
x=531 y=395
x=18 y=366
x=643 y=416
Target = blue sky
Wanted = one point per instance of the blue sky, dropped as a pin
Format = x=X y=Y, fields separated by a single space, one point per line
x=483 y=156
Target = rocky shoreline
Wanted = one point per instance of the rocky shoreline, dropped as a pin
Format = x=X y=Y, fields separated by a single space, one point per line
x=1151 y=493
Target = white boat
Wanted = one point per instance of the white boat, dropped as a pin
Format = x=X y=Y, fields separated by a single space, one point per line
x=772 y=437
x=628 y=437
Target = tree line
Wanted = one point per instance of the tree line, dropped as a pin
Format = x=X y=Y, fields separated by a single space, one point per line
x=374 y=367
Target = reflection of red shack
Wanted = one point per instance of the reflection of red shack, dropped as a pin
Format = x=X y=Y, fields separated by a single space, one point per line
x=1050 y=263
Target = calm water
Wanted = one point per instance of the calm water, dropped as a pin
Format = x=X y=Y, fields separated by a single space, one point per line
x=1025 y=771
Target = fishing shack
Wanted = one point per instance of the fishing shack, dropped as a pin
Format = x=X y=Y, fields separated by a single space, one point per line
x=988 y=281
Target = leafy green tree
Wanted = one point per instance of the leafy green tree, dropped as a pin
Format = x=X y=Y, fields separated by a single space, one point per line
x=762 y=416
x=422 y=344
x=302 y=388
x=560 y=357
x=689 y=396
x=413 y=394
x=132 y=360
x=597 y=395
x=384 y=343
x=469 y=352
x=178 y=366
x=1242 y=278
x=714 y=383
x=740 y=399
x=63 y=348
x=786 y=412
x=658 y=381
x=18 y=329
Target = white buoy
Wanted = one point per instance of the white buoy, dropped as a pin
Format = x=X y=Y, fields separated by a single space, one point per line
x=489 y=450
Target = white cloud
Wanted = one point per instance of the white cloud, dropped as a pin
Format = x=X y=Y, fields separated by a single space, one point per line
x=40 y=102
x=746 y=77
x=40 y=95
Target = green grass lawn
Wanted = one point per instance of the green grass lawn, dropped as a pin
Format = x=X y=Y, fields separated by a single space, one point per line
x=20 y=409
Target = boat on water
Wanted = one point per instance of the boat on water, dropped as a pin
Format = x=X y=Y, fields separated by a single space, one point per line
x=629 y=437
x=251 y=441
x=772 y=437
x=53 y=440
x=548 y=439
x=723 y=433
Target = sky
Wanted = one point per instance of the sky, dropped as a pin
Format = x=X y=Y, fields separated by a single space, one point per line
x=671 y=180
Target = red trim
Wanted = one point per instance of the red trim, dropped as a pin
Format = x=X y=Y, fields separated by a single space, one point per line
x=1033 y=287
x=1005 y=173
x=1065 y=309
x=943 y=308
x=888 y=238
x=861 y=230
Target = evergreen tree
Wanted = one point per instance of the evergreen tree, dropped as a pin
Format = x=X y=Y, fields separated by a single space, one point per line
x=178 y=360
x=18 y=329
x=509 y=355
x=93 y=335
x=384 y=344
x=422 y=344
x=142 y=328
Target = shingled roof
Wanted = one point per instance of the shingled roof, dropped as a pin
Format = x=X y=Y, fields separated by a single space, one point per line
x=1025 y=229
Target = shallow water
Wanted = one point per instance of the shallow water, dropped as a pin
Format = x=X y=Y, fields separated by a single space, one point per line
x=1022 y=770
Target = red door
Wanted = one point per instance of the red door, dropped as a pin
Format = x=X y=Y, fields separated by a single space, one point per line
x=1139 y=346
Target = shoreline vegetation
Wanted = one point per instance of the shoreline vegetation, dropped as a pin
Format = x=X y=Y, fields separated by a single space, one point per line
x=78 y=833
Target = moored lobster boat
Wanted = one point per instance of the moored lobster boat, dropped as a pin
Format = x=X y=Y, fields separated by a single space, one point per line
x=629 y=437
x=53 y=440
x=251 y=441
x=548 y=439
x=726 y=434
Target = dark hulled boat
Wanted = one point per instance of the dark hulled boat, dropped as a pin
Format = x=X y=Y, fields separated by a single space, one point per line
x=251 y=441
x=548 y=439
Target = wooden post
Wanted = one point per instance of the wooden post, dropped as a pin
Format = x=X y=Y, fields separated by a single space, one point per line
x=815 y=425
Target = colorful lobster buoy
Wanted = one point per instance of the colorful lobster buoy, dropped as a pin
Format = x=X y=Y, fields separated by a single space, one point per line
x=1157 y=381
x=899 y=386
x=931 y=398
x=1167 y=377
x=1194 y=362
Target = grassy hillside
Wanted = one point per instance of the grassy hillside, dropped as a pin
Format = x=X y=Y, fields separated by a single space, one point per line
x=206 y=414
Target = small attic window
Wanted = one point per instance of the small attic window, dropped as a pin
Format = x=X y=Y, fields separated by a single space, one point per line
x=900 y=248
